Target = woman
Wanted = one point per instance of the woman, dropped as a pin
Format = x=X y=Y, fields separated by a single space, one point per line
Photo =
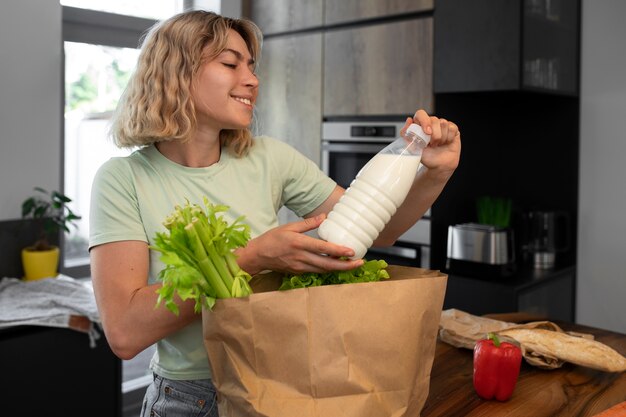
x=188 y=108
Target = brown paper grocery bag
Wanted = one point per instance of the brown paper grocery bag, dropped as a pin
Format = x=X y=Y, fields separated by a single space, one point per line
x=354 y=350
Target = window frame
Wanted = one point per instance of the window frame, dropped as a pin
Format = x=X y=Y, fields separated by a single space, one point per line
x=97 y=28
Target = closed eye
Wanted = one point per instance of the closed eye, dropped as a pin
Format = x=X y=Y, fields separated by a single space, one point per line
x=233 y=66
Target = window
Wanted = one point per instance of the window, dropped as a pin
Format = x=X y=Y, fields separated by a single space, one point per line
x=95 y=76
x=152 y=9
x=100 y=51
x=100 y=46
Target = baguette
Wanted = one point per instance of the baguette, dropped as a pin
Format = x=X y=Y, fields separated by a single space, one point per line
x=577 y=350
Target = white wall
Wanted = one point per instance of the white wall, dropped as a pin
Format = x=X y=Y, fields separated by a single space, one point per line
x=602 y=208
x=30 y=101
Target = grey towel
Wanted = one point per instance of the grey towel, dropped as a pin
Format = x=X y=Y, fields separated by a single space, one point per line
x=48 y=302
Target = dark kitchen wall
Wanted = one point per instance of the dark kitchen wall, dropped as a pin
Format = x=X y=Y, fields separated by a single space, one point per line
x=519 y=145
x=507 y=72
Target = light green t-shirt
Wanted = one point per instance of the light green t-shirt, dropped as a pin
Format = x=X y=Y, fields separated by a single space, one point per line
x=132 y=196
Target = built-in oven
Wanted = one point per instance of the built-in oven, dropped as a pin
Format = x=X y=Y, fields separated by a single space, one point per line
x=346 y=147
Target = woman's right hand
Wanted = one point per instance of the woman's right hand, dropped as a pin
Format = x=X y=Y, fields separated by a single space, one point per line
x=287 y=248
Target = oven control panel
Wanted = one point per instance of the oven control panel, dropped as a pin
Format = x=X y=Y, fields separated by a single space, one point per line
x=361 y=131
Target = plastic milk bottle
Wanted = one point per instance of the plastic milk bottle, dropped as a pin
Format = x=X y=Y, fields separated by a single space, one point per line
x=375 y=194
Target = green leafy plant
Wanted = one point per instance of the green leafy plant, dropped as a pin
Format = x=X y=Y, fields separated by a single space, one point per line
x=370 y=271
x=50 y=211
x=197 y=250
x=494 y=211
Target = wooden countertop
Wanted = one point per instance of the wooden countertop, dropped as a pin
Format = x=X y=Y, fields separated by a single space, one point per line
x=570 y=391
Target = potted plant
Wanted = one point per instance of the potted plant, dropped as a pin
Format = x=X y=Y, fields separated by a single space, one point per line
x=51 y=213
x=494 y=211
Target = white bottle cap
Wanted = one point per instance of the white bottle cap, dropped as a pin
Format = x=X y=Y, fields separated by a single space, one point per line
x=418 y=131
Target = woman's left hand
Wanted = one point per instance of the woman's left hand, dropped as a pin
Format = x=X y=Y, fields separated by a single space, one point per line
x=442 y=154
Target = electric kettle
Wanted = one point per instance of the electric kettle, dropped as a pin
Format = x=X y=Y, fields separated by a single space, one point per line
x=546 y=234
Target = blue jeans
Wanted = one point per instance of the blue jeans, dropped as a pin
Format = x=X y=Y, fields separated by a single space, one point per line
x=170 y=398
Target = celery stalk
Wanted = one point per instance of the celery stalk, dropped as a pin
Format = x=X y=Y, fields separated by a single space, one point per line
x=241 y=277
x=233 y=266
x=208 y=269
x=197 y=251
x=218 y=261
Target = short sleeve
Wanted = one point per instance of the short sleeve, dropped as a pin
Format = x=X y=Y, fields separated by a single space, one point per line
x=305 y=185
x=114 y=210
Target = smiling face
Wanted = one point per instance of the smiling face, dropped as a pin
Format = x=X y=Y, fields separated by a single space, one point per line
x=225 y=88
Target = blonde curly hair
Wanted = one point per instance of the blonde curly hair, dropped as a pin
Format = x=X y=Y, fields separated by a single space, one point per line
x=156 y=104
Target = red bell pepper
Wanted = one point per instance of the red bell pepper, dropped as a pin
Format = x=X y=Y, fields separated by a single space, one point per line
x=496 y=368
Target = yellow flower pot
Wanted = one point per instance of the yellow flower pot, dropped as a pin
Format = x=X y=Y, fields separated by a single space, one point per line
x=40 y=264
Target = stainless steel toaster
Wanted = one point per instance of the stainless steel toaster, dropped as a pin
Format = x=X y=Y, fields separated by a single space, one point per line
x=473 y=244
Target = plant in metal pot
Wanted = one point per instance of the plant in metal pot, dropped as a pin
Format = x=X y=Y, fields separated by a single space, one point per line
x=51 y=213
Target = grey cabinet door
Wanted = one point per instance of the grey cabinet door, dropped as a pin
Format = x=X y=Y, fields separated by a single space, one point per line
x=384 y=69
x=275 y=16
x=289 y=103
x=477 y=45
x=507 y=45
x=337 y=11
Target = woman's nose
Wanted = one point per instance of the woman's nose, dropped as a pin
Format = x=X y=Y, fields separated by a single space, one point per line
x=251 y=78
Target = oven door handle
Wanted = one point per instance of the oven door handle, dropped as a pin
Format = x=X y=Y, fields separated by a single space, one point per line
x=353 y=148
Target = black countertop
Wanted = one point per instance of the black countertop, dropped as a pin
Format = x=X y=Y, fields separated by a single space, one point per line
x=550 y=293
x=524 y=277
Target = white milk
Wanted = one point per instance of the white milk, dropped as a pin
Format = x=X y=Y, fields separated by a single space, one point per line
x=374 y=195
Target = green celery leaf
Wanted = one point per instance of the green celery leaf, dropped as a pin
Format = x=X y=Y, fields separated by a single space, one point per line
x=370 y=271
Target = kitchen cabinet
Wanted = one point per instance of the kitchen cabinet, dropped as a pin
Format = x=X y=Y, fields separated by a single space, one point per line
x=506 y=45
x=289 y=106
x=339 y=11
x=289 y=103
x=382 y=69
x=549 y=293
x=275 y=16
x=52 y=370
x=376 y=60
x=49 y=370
